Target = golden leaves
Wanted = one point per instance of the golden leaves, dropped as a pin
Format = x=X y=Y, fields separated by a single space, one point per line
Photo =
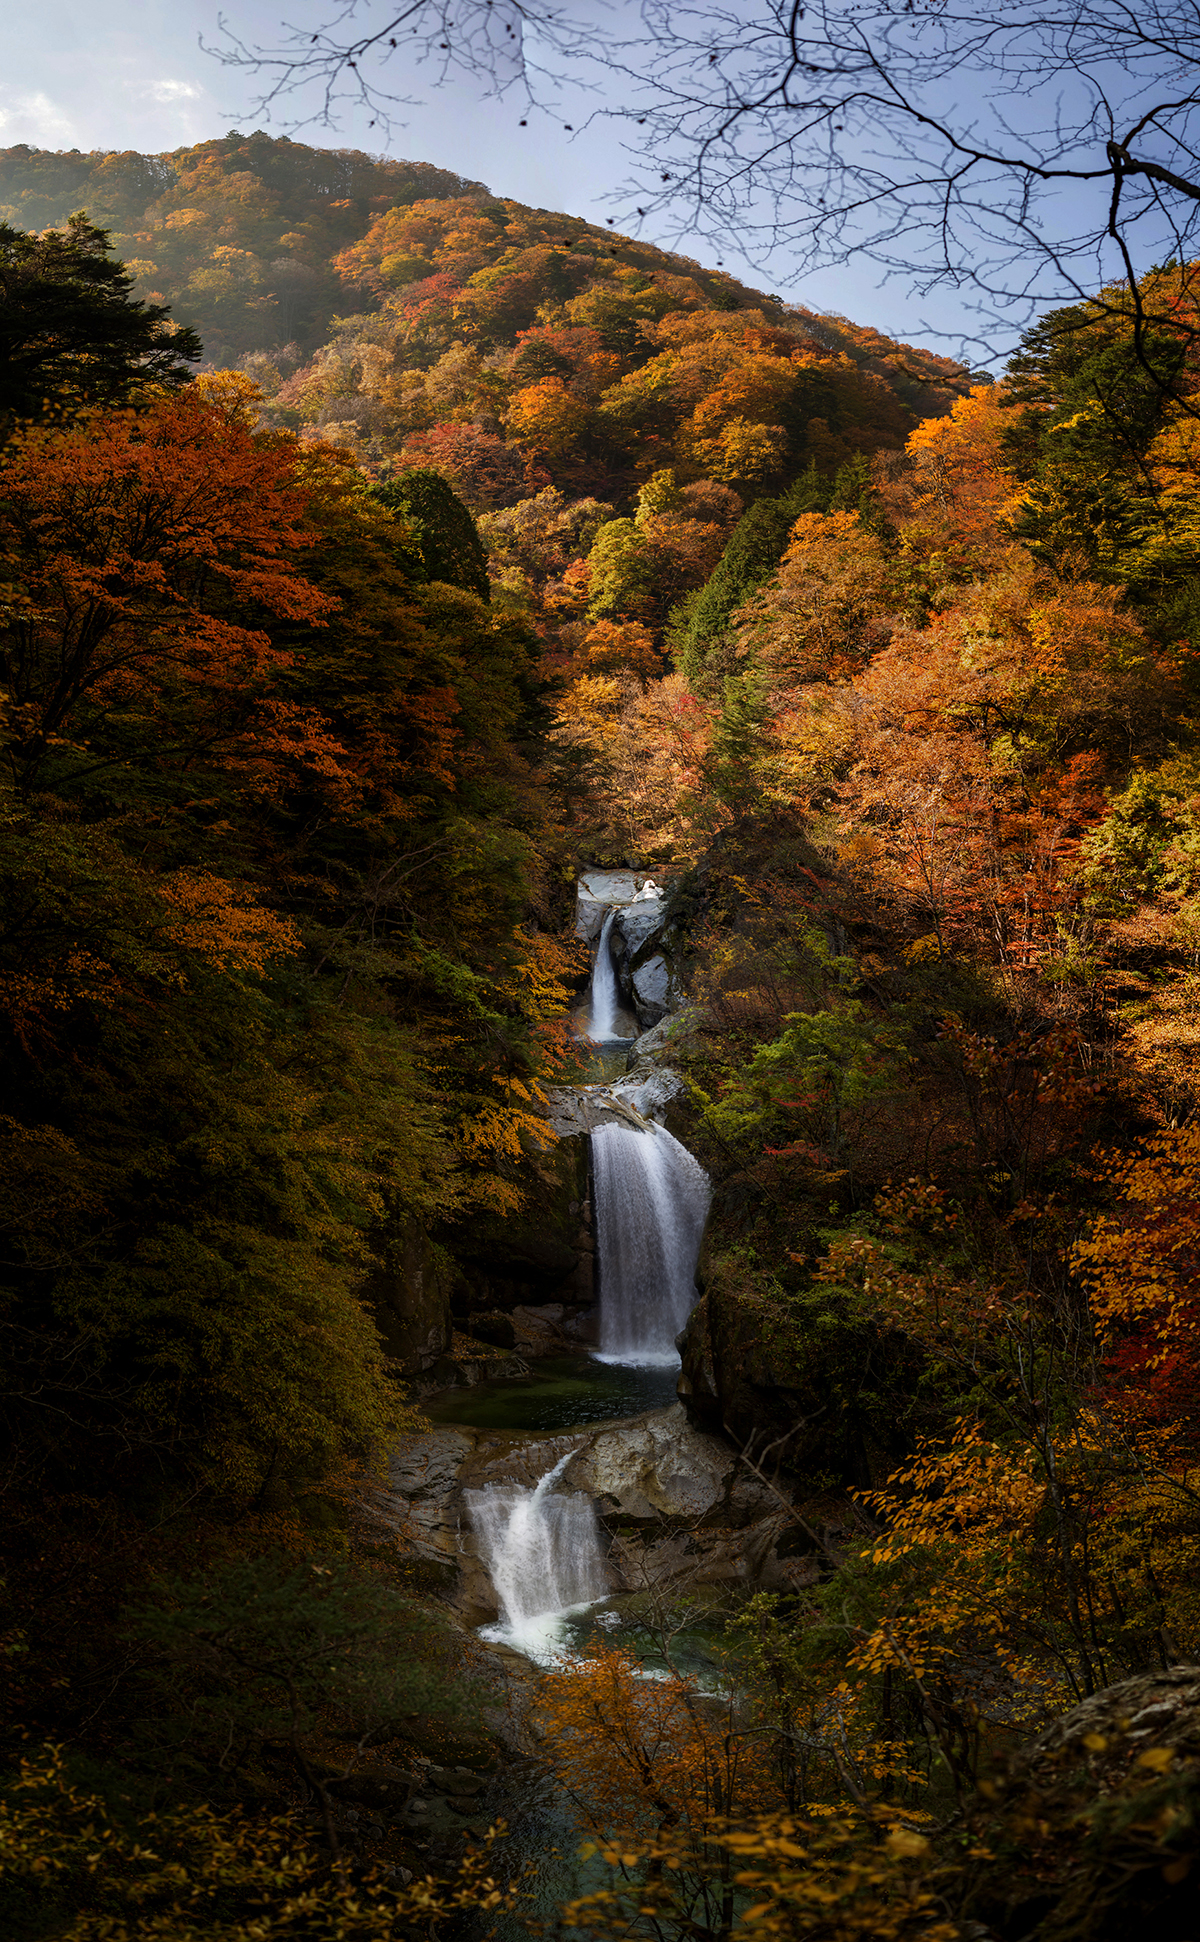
x=224 y=923
x=1142 y=1263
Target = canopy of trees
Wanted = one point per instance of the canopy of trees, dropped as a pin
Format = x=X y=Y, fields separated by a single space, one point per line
x=235 y=235
x=70 y=333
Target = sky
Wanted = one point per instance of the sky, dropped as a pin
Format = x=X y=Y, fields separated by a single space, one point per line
x=117 y=74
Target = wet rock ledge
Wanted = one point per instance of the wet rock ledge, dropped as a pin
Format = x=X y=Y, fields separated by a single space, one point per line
x=677 y=1506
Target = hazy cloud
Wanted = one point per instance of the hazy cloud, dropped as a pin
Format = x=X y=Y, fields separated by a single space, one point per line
x=172 y=91
x=33 y=118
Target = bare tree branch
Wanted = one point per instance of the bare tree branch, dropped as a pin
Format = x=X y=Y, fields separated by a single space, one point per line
x=964 y=152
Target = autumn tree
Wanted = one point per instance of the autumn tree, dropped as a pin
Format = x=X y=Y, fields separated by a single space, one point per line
x=132 y=537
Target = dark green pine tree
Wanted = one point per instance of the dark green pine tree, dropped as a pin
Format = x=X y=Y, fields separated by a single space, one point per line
x=71 y=335
x=752 y=555
x=738 y=740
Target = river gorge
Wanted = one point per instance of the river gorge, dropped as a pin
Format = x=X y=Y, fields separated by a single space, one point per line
x=562 y=1476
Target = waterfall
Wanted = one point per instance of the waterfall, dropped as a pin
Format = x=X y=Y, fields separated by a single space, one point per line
x=604 y=998
x=651 y=1204
x=542 y=1551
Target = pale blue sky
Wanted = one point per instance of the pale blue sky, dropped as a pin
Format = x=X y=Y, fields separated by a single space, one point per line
x=132 y=74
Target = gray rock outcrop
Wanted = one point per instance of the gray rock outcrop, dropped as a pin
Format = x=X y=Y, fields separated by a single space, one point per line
x=643 y=951
x=678 y=1506
x=597 y=893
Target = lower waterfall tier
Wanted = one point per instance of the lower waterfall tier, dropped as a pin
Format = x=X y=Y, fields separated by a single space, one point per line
x=542 y=1552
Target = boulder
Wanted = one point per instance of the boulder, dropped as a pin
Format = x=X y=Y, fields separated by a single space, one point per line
x=598 y=892
x=1095 y=1829
x=495 y=1328
x=651 y=1090
x=580 y=1109
x=654 y=990
x=681 y=1560
x=839 y=1396
x=420 y=1495
x=684 y=1512
x=638 y=923
x=539 y=1331
x=1157 y=1709
x=675 y=1026
x=471 y=1362
x=657 y=1467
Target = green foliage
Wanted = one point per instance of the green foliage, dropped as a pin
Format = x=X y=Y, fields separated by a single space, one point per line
x=195 y=1186
x=621 y=571
x=1086 y=395
x=445 y=543
x=1149 y=843
x=272 y=1649
x=234 y=234
x=755 y=549
x=737 y=739
x=825 y=1064
x=1087 y=405
x=71 y=334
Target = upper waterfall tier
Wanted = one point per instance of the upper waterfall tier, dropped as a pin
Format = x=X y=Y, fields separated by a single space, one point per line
x=634 y=984
x=604 y=999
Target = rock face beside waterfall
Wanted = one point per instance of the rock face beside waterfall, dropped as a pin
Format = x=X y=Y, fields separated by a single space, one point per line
x=657 y=1466
x=410 y=1296
x=834 y=1397
x=523 y=1283
x=535 y=1268
x=682 y=1510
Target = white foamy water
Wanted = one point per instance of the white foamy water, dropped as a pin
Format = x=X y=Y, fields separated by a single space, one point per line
x=604 y=996
x=542 y=1551
x=652 y=1202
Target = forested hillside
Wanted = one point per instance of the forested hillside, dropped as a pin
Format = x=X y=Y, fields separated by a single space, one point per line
x=331 y=653
x=235 y=234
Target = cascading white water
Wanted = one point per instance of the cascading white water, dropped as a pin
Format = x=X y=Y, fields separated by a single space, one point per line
x=651 y=1205
x=542 y=1551
x=604 y=998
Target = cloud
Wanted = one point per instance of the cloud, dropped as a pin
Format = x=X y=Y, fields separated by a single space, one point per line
x=172 y=91
x=34 y=118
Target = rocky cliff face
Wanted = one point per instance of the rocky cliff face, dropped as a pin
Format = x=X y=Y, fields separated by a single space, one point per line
x=832 y=1393
x=410 y=1298
x=678 y=1508
x=520 y=1283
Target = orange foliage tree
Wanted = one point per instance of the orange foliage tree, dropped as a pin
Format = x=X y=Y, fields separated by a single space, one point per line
x=145 y=545
x=1141 y=1265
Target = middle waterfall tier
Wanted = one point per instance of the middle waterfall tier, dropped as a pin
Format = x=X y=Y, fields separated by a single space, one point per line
x=652 y=1201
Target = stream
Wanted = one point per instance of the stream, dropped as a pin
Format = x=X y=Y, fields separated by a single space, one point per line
x=510 y=1480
